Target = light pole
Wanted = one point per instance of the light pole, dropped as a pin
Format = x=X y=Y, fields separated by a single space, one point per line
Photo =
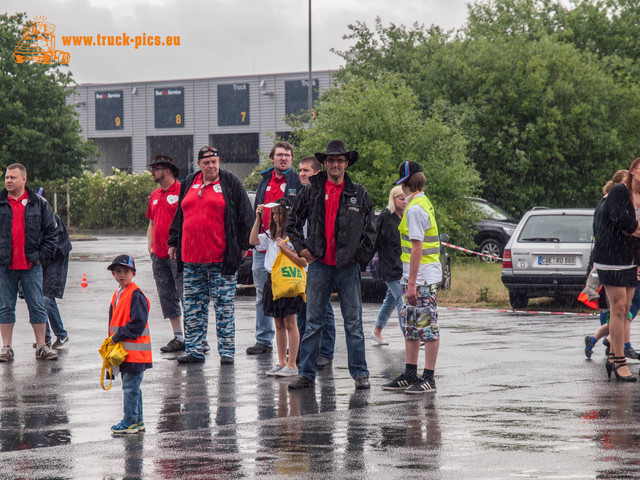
x=310 y=88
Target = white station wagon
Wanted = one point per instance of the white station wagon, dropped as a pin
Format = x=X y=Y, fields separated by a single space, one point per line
x=548 y=254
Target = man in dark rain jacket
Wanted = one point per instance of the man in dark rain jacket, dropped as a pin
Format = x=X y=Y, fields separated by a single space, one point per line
x=340 y=239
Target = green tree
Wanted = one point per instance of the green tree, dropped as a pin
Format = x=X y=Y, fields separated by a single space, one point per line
x=378 y=118
x=546 y=122
x=37 y=129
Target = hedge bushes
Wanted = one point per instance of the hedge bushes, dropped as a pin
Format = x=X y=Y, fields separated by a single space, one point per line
x=97 y=202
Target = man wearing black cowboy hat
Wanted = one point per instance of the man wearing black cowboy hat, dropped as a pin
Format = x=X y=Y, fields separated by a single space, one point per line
x=162 y=207
x=340 y=237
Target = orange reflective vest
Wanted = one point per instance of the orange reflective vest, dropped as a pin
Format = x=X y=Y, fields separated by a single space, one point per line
x=139 y=349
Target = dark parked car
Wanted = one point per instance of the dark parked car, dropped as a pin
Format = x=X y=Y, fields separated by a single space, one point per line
x=494 y=230
x=245 y=277
x=374 y=289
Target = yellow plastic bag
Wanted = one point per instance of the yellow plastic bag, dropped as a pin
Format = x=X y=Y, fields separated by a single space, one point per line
x=112 y=355
x=287 y=278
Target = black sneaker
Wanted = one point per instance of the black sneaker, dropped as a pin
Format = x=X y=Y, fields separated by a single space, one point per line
x=258 y=349
x=205 y=347
x=60 y=342
x=324 y=362
x=400 y=383
x=631 y=353
x=188 y=358
x=423 y=385
x=226 y=360
x=588 y=346
x=606 y=343
x=174 y=345
x=362 y=382
x=301 y=382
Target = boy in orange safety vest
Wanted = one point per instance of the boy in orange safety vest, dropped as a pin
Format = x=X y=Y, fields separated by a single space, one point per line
x=128 y=315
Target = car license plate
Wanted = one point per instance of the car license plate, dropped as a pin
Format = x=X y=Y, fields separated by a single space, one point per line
x=553 y=260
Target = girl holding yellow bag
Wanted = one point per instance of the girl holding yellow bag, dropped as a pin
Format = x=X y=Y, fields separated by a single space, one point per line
x=283 y=292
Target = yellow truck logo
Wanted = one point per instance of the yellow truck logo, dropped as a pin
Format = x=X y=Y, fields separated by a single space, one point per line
x=38 y=44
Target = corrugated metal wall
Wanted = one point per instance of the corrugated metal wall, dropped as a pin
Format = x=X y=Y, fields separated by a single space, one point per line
x=266 y=113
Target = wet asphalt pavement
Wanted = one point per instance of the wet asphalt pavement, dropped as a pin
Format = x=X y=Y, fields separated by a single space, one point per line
x=516 y=399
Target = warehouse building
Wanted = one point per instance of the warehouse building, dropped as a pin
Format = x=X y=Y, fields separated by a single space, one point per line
x=130 y=123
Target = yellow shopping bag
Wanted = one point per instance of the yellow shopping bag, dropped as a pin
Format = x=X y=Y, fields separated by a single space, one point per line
x=287 y=278
x=112 y=355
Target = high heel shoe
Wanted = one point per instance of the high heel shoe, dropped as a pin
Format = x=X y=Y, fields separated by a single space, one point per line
x=619 y=362
x=609 y=363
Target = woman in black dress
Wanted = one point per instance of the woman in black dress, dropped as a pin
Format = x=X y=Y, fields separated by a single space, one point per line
x=615 y=256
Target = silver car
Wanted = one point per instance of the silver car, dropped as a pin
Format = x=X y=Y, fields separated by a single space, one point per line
x=548 y=254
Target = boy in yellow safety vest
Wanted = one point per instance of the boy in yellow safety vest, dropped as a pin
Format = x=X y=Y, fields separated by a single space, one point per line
x=421 y=272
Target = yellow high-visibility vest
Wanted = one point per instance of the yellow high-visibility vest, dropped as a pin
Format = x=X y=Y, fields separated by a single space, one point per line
x=431 y=240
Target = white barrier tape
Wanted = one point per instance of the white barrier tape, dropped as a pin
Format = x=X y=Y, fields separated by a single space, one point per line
x=528 y=312
x=466 y=250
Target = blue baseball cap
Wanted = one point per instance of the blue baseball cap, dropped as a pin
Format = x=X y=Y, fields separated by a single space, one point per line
x=407 y=169
x=124 y=260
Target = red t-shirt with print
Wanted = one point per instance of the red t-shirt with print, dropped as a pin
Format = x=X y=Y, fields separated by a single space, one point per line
x=275 y=191
x=162 y=208
x=203 y=239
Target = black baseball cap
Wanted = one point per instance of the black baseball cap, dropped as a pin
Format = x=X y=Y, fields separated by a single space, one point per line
x=407 y=169
x=124 y=260
x=207 y=152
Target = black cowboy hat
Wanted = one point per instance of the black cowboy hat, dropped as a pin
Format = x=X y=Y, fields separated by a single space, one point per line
x=337 y=147
x=165 y=161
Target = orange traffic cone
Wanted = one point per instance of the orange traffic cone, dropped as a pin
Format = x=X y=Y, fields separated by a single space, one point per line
x=84 y=283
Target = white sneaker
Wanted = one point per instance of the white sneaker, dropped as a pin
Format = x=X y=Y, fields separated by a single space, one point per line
x=377 y=340
x=287 y=372
x=274 y=370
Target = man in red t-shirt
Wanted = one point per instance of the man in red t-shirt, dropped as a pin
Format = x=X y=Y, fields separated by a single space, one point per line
x=163 y=204
x=339 y=240
x=279 y=181
x=28 y=235
x=209 y=237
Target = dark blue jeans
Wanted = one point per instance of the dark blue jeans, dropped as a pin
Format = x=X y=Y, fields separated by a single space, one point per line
x=31 y=282
x=132 y=396
x=54 y=319
x=321 y=279
x=328 y=342
x=265 y=328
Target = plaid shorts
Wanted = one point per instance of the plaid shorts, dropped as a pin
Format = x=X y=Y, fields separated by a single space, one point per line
x=420 y=322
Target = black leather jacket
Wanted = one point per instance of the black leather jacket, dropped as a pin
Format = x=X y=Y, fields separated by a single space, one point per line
x=355 y=230
x=40 y=228
x=238 y=221
x=388 y=246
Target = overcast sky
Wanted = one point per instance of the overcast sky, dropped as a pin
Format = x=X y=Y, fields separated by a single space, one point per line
x=219 y=37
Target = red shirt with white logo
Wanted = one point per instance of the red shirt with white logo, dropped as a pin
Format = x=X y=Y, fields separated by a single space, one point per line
x=332 y=193
x=275 y=191
x=19 y=260
x=162 y=208
x=203 y=239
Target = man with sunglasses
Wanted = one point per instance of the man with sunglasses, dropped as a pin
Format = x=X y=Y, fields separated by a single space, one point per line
x=277 y=182
x=163 y=204
x=209 y=237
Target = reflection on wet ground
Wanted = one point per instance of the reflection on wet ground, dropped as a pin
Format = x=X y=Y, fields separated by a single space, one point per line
x=516 y=398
